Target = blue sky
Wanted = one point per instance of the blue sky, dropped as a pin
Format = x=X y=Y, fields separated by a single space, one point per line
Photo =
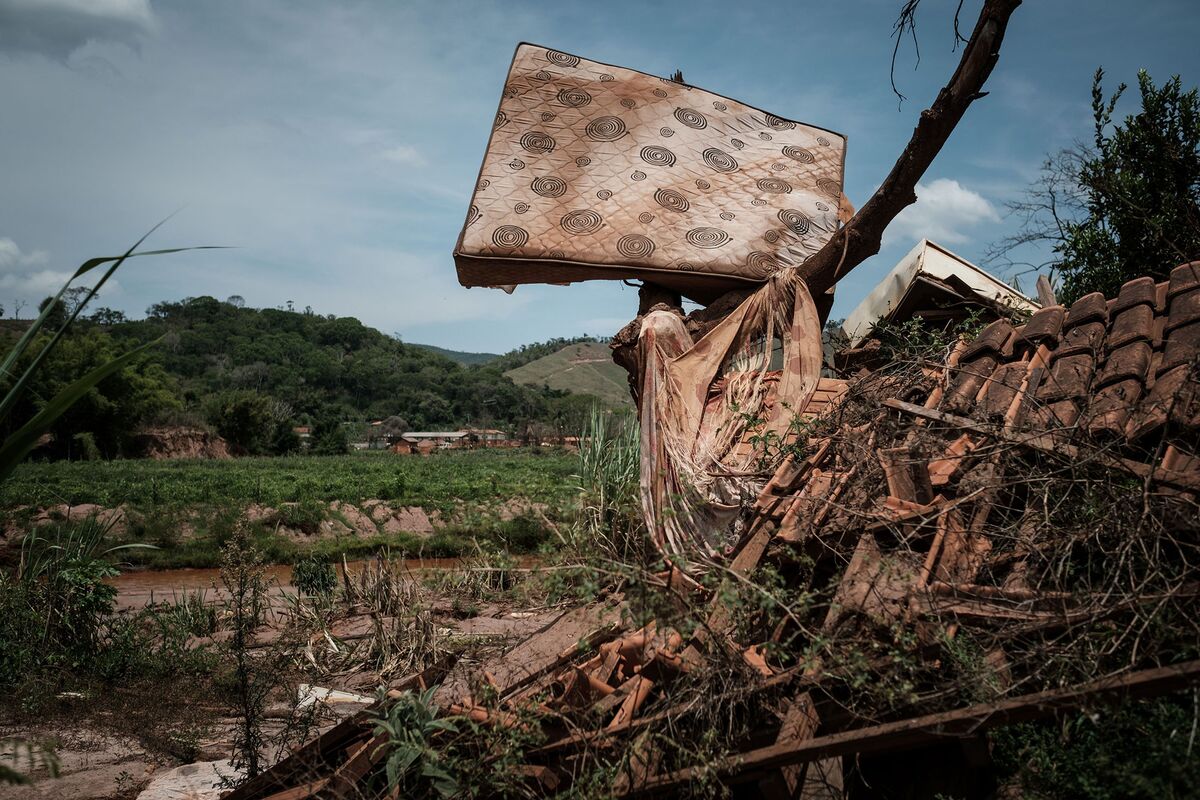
x=336 y=144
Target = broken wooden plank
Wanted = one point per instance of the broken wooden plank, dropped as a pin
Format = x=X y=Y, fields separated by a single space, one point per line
x=295 y=768
x=800 y=722
x=300 y=792
x=907 y=475
x=1045 y=292
x=543 y=652
x=644 y=760
x=344 y=781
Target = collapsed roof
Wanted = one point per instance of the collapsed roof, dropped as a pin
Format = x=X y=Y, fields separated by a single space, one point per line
x=933 y=284
x=984 y=537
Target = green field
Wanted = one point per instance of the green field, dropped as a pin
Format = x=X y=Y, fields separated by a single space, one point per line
x=439 y=481
x=187 y=509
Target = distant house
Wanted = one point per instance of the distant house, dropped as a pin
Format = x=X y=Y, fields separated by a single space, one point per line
x=439 y=439
x=304 y=433
x=377 y=439
x=486 y=437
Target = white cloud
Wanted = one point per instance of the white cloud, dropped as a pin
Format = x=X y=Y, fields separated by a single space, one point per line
x=25 y=278
x=944 y=212
x=382 y=142
x=11 y=256
x=31 y=287
x=403 y=154
x=57 y=28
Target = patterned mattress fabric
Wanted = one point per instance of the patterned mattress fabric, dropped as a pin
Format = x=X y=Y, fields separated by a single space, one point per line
x=594 y=171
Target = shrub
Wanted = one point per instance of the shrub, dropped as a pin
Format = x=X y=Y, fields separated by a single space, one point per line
x=314 y=576
x=1141 y=749
x=305 y=516
x=414 y=763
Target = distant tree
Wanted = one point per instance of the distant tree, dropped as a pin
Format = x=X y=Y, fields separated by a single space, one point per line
x=329 y=436
x=1124 y=205
x=107 y=316
x=244 y=419
x=569 y=414
x=284 y=438
x=112 y=411
x=58 y=314
x=315 y=363
x=236 y=300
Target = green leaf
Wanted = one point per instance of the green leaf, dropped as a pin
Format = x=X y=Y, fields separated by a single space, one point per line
x=443 y=725
x=393 y=771
x=406 y=756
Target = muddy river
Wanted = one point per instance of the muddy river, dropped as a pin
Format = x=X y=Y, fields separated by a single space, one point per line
x=142 y=588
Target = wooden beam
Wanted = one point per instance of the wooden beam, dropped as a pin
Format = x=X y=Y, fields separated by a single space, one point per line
x=1045 y=292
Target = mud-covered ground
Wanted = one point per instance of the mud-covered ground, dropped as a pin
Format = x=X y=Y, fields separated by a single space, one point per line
x=151 y=736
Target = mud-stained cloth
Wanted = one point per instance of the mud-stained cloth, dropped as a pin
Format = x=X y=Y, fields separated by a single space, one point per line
x=595 y=171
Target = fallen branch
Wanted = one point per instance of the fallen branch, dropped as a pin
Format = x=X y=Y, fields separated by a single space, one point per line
x=933 y=728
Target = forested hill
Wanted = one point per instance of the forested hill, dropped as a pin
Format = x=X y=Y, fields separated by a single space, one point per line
x=244 y=370
x=469 y=359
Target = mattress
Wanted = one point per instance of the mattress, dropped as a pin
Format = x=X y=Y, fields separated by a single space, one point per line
x=599 y=172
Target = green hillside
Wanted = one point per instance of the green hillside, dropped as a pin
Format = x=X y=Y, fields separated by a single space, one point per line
x=252 y=375
x=580 y=368
x=466 y=359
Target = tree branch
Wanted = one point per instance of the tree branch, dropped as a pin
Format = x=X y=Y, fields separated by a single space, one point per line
x=860 y=238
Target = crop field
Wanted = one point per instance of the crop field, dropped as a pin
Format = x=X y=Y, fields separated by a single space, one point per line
x=436 y=482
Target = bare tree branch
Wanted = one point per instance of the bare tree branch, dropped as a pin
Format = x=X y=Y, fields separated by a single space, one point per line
x=861 y=237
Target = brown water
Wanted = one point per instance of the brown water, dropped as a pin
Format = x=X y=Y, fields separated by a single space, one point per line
x=143 y=588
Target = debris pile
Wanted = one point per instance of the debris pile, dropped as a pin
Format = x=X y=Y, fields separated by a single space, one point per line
x=960 y=539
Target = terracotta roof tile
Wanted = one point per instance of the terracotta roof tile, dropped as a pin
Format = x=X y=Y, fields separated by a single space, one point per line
x=1085 y=338
x=1185 y=309
x=1131 y=324
x=1111 y=368
x=1044 y=326
x=1089 y=308
x=1180 y=460
x=1069 y=377
x=1002 y=388
x=1160 y=297
x=1184 y=278
x=1155 y=408
x=1185 y=412
x=993 y=338
x=1064 y=413
x=1138 y=291
x=1112 y=406
x=1130 y=361
x=1182 y=346
x=967 y=381
x=1156 y=338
